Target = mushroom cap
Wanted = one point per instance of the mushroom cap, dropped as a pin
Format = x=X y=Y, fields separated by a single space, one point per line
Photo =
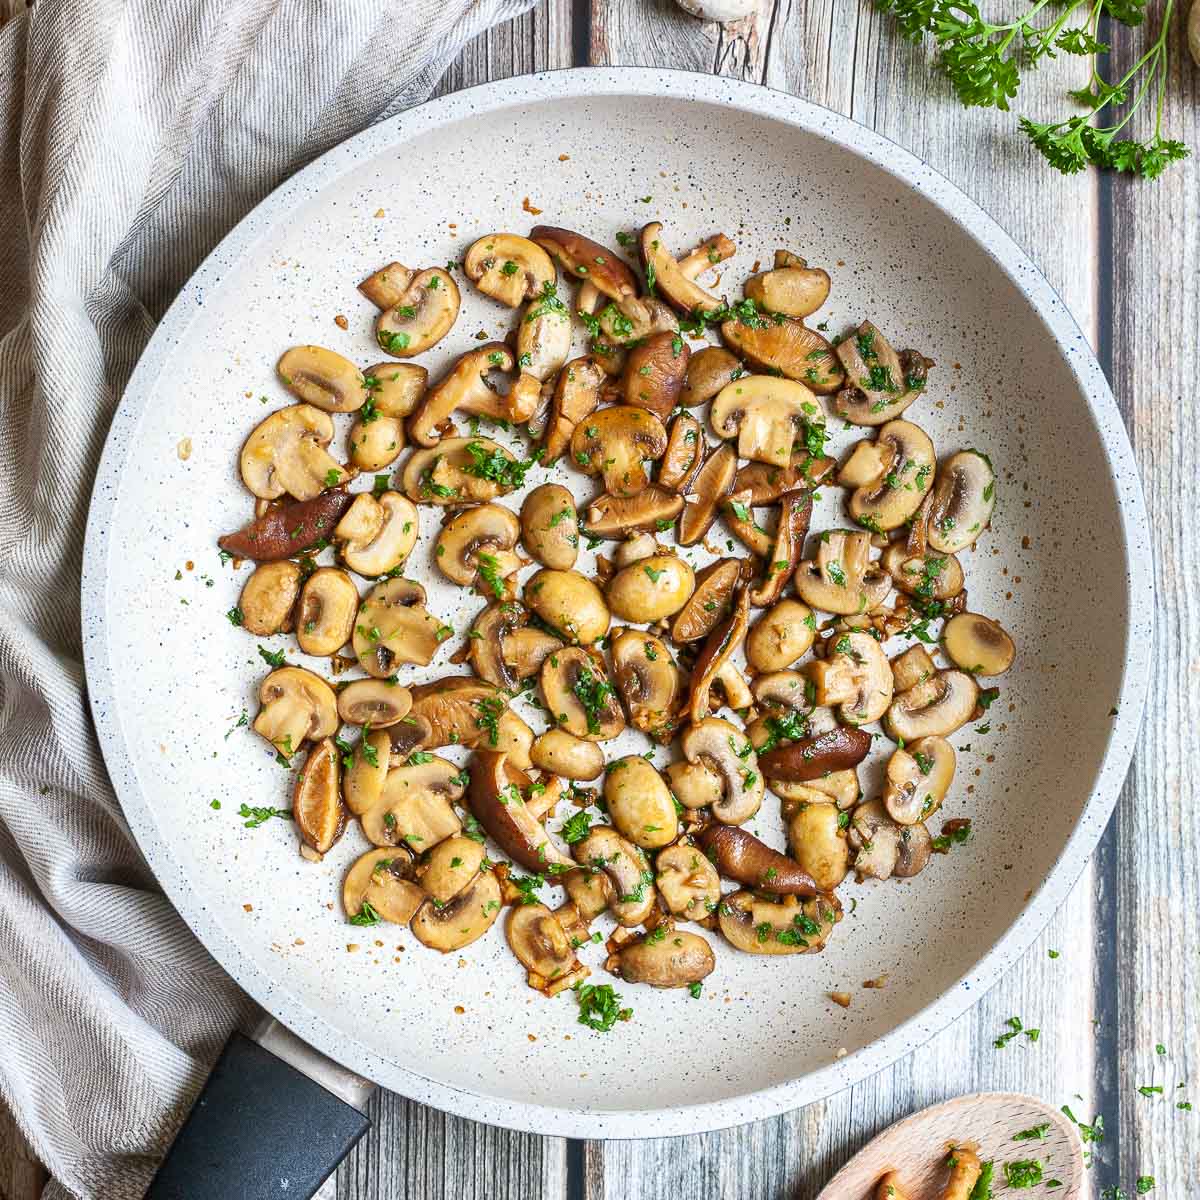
x=648 y=681
x=542 y=946
x=906 y=464
x=654 y=372
x=876 y=390
x=475 y=536
x=328 y=607
x=911 y=667
x=462 y=920
x=725 y=749
x=509 y=268
x=286 y=454
x=788 y=926
x=936 y=707
x=639 y=803
x=687 y=882
x=449 y=867
x=389 y=544
x=916 y=849
x=550 y=526
x=797 y=290
x=486 y=649
x=297 y=706
x=786 y=345
x=379 y=878
x=876 y=838
x=615 y=442
x=375 y=702
x=526 y=648
x=624 y=865
x=740 y=856
x=919 y=775
x=781 y=636
x=269 y=596
x=576 y=394
x=463 y=711
x=978 y=644
x=678 y=959
x=322 y=377
x=425 y=313
x=683 y=455
x=684 y=294
x=569 y=603
x=650 y=589
x=583 y=258
x=694 y=785
x=818 y=843
x=963 y=498
x=543 y=339
x=499 y=806
x=842 y=578
x=856 y=676
x=615 y=516
x=385 y=287
x=414 y=805
x=765 y=413
x=317 y=806
x=562 y=753
x=393 y=627
x=709 y=602
x=709 y=487
x=364 y=774
x=931 y=576
x=710 y=369
x=444 y=474
x=465 y=388
x=579 y=696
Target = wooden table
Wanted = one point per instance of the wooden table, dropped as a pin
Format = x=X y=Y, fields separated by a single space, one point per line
x=1125 y=256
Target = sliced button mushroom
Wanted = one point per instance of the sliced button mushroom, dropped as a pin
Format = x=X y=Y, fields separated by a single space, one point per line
x=287 y=529
x=725 y=749
x=317 y=806
x=936 y=707
x=654 y=373
x=795 y=511
x=766 y=414
x=978 y=644
x=912 y=667
x=624 y=865
x=687 y=882
x=876 y=389
x=918 y=777
x=424 y=313
x=364 y=769
x=640 y=803
x=378 y=883
x=710 y=602
x=393 y=628
x=449 y=474
x=543 y=338
x=885 y=848
x=963 y=498
x=635 y=548
x=325 y=617
x=663 y=274
x=268 y=597
x=488 y=650
x=709 y=488
x=842 y=579
x=543 y=947
x=550 y=526
x=322 y=377
x=740 y=856
x=810 y=758
x=414 y=805
x=569 y=603
x=582 y=258
x=449 y=867
x=648 y=681
x=651 y=589
x=666 y=958
x=375 y=702
x=578 y=695
x=788 y=926
x=739 y=517
x=394 y=534
x=709 y=370
x=766 y=484
x=904 y=462
x=716 y=655
x=615 y=444
x=818 y=843
x=564 y=754
x=462 y=920
x=694 y=785
x=286 y=453
x=477 y=543
x=462 y=711
x=793 y=287
x=576 y=395
x=916 y=849
x=684 y=452
x=615 y=516
x=465 y=388
x=509 y=268
x=856 y=676
x=782 y=636
x=930 y=576
x=525 y=649
x=297 y=706
x=786 y=345
x=496 y=800
x=377 y=435
x=385 y=287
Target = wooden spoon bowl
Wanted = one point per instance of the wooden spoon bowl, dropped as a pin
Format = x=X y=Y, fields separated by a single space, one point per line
x=916 y=1147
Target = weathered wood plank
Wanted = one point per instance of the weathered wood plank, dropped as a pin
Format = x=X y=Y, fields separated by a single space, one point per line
x=413 y=1150
x=1155 y=355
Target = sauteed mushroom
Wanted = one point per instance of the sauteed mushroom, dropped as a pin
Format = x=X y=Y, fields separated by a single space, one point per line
x=654 y=373
x=509 y=268
x=550 y=526
x=919 y=775
x=687 y=881
x=393 y=627
x=562 y=753
x=936 y=707
x=576 y=395
x=963 y=498
x=378 y=882
x=793 y=287
x=765 y=413
x=322 y=377
x=569 y=603
x=537 y=937
x=325 y=617
x=421 y=315
x=462 y=920
x=710 y=602
x=478 y=543
x=667 y=959
x=462 y=711
x=787 y=926
x=891 y=487
x=841 y=578
x=818 y=843
x=377 y=435
x=685 y=449
x=978 y=644
x=725 y=750
x=268 y=597
x=377 y=535
x=710 y=486
x=624 y=865
x=709 y=370
x=317 y=805
x=497 y=802
x=297 y=706
x=650 y=589
x=780 y=637
x=615 y=516
x=375 y=702
x=579 y=696
x=615 y=443
x=639 y=803
x=856 y=676
x=740 y=856
x=582 y=258
x=663 y=274
x=648 y=681
x=785 y=345
x=286 y=454
x=467 y=388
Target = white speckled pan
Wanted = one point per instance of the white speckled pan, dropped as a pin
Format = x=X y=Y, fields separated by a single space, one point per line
x=167 y=679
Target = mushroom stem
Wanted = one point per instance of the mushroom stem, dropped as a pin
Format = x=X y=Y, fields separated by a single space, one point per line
x=740 y=856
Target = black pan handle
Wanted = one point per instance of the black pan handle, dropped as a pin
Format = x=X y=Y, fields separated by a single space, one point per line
x=262 y=1128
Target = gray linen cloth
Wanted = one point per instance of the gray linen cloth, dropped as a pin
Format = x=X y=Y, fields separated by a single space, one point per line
x=134 y=135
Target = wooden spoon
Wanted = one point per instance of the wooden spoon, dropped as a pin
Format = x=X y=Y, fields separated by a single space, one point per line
x=916 y=1147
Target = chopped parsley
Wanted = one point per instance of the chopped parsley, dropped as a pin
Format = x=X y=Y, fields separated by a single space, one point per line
x=593 y=693
x=599 y=1006
x=254 y=817
x=366 y=915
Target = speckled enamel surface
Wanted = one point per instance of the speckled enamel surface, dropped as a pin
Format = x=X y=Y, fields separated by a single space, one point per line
x=1065 y=568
